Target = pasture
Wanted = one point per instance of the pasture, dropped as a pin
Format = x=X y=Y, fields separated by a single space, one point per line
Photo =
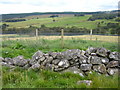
x=62 y=21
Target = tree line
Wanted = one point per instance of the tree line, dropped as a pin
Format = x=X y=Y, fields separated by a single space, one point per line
x=103 y=16
x=14 y=20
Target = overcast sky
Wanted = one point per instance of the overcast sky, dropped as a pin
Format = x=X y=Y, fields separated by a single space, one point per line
x=25 y=6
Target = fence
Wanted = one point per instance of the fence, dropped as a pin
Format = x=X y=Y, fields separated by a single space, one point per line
x=63 y=34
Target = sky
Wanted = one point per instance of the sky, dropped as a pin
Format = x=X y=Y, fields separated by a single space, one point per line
x=27 y=6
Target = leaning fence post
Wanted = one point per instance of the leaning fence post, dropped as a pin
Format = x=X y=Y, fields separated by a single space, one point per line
x=62 y=37
x=91 y=34
x=36 y=34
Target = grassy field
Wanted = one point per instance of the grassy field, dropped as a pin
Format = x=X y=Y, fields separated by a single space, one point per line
x=27 y=47
x=63 y=20
x=46 y=79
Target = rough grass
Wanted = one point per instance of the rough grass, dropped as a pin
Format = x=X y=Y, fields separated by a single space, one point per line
x=12 y=48
x=47 y=79
x=83 y=37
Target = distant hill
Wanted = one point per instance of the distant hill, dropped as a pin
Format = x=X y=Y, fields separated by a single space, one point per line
x=22 y=15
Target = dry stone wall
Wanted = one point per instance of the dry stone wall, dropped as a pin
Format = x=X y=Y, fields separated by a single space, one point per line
x=77 y=61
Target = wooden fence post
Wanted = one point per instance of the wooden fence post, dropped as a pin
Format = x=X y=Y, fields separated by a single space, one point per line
x=62 y=37
x=36 y=34
x=91 y=34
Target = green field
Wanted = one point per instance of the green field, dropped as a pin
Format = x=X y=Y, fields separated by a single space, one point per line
x=27 y=47
x=62 y=21
x=46 y=79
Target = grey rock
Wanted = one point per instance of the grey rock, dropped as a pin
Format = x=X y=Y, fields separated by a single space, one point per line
x=93 y=54
x=102 y=52
x=71 y=54
x=58 y=69
x=37 y=55
x=82 y=59
x=35 y=66
x=59 y=56
x=74 y=70
x=41 y=59
x=95 y=60
x=86 y=82
x=27 y=66
x=114 y=56
x=7 y=65
x=90 y=50
x=85 y=67
x=53 y=54
x=49 y=67
x=82 y=52
x=1 y=59
x=19 y=61
x=55 y=61
x=112 y=71
x=50 y=58
x=64 y=63
x=100 y=68
x=88 y=72
x=112 y=64
x=105 y=60
x=9 y=61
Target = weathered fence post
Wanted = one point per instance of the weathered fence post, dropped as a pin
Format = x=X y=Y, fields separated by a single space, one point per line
x=62 y=37
x=36 y=34
x=91 y=34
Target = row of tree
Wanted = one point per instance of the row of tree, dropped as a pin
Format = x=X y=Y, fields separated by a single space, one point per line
x=14 y=20
x=103 y=16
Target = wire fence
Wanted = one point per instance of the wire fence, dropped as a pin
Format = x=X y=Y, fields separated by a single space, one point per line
x=61 y=34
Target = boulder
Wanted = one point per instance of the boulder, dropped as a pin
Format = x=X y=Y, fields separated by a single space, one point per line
x=19 y=61
x=85 y=67
x=64 y=63
x=114 y=56
x=74 y=70
x=112 y=71
x=37 y=55
x=100 y=68
x=7 y=65
x=55 y=61
x=35 y=66
x=9 y=61
x=49 y=67
x=1 y=59
x=95 y=60
x=86 y=82
x=71 y=54
x=41 y=59
x=53 y=54
x=105 y=60
x=102 y=52
x=82 y=59
x=90 y=50
x=112 y=64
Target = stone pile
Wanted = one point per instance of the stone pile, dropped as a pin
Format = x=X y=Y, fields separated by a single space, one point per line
x=77 y=61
